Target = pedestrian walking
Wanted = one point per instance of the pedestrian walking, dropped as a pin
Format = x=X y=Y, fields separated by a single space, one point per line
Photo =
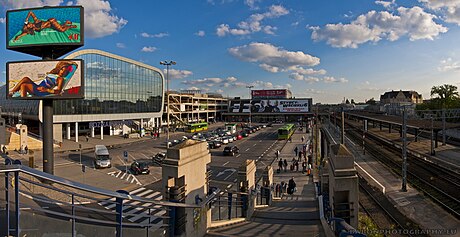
x=26 y=149
x=277 y=154
x=291 y=188
x=87 y=138
x=290 y=139
x=4 y=149
x=280 y=165
x=309 y=169
x=285 y=164
x=303 y=138
x=300 y=155
x=296 y=150
x=304 y=167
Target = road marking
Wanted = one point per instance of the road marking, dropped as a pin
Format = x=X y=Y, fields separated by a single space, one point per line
x=118 y=174
x=263 y=163
x=254 y=145
x=247 y=149
x=238 y=155
x=226 y=163
x=123 y=176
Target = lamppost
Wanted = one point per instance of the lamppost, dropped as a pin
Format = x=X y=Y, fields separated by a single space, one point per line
x=168 y=64
x=250 y=104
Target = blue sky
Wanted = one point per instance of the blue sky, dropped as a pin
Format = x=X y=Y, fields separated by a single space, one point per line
x=326 y=50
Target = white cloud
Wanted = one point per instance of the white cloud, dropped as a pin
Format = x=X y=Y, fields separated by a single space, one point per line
x=148 y=49
x=366 y=86
x=2 y=20
x=220 y=91
x=159 y=35
x=252 y=4
x=204 y=81
x=15 y=4
x=3 y=72
x=178 y=74
x=388 y=5
x=231 y=79
x=194 y=88
x=332 y=79
x=254 y=23
x=99 y=19
x=299 y=77
x=272 y=58
x=448 y=65
x=200 y=33
x=121 y=45
x=450 y=9
x=375 y=26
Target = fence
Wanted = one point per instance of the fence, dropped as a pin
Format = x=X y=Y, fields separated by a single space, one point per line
x=47 y=204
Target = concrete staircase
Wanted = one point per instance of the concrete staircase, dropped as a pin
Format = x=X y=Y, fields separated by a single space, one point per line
x=13 y=142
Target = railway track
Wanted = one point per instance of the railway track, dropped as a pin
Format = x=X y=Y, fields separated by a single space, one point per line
x=439 y=184
x=389 y=221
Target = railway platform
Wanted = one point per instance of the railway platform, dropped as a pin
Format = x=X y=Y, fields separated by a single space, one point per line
x=417 y=207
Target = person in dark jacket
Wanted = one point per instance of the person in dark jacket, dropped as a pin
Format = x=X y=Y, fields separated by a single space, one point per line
x=291 y=186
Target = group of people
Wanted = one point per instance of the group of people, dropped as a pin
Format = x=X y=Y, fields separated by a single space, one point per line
x=290 y=188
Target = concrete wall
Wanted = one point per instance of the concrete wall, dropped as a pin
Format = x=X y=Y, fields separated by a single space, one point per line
x=186 y=164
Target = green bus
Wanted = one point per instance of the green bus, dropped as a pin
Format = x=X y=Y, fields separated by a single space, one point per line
x=196 y=127
x=286 y=131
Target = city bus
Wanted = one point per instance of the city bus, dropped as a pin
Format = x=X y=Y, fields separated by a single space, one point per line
x=286 y=131
x=196 y=127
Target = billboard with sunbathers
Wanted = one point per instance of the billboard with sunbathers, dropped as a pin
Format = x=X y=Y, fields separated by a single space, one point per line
x=53 y=79
x=44 y=26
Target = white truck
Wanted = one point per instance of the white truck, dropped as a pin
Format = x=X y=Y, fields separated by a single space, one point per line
x=102 y=157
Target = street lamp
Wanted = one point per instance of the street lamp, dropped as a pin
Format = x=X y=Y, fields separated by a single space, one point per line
x=168 y=64
x=250 y=104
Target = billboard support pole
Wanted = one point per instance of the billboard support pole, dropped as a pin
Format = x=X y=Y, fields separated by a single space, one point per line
x=48 y=141
x=48 y=149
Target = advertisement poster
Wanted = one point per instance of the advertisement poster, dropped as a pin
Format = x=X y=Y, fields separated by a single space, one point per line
x=272 y=106
x=270 y=94
x=44 y=26
x=55 y=79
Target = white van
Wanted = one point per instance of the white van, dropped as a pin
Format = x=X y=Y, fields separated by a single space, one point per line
x=102 y=157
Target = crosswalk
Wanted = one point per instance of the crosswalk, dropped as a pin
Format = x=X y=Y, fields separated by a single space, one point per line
x=125 y=176
x=138 y=212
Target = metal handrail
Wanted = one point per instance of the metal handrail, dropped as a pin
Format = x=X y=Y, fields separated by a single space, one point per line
x=87 y=188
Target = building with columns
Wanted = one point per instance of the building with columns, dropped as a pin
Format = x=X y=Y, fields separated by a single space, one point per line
x=121 y=95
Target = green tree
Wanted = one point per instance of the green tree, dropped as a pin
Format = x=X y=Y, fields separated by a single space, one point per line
x=371 y=101
x=447 y=94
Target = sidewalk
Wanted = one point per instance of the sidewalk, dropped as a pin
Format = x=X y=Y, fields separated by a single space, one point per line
x=291 y=215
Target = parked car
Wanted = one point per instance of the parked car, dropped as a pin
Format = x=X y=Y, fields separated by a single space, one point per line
x=139 y=168
x=214 y=144
x=231 y=150
x=244 y=134
x=239 y=136
x=225 y=140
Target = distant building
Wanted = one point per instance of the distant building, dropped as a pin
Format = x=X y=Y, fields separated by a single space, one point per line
x=401 y=97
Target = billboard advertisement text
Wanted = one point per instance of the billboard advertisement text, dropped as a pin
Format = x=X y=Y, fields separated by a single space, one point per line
x=54 y=79
x=272 y=106
x=272 y=94
x=46 y=26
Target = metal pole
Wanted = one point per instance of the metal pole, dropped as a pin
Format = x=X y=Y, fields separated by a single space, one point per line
x=432 y=135
x=73 y=215
x=404 y=152
x=342 y=135
x=250 y=105
x=7 y=202
x=443 y=127
x=167 y=95
x=48 y=149
x=16 y=197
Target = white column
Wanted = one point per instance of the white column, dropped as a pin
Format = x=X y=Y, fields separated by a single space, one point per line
x=102 y=130
x=92 y=132
x=68 y=131
x=76 y=131
x=111 y=130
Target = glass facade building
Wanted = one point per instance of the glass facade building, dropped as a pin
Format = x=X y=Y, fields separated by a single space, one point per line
x=114 y=86
x=117 y=90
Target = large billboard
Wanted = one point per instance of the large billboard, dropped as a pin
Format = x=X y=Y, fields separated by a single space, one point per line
x=47 y=26
x=272 y=106
x=53 y=79
x=270 y=94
